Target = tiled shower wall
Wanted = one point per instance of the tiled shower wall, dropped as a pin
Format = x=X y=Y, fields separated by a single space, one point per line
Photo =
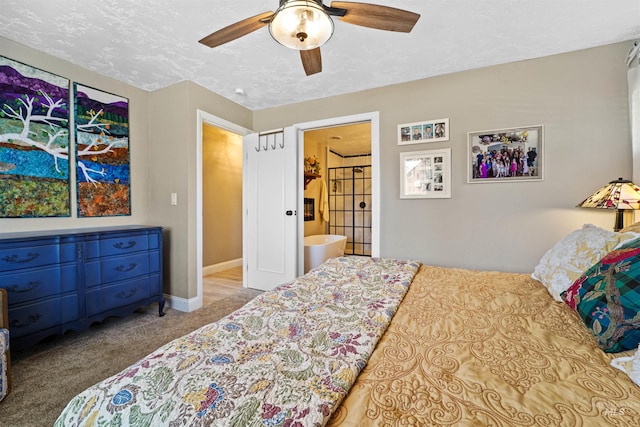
x=349 y=184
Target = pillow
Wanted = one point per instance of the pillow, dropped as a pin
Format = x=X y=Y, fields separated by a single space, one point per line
x=573 y=255
x=607 y=298
x=635 y=227
x=629 y=365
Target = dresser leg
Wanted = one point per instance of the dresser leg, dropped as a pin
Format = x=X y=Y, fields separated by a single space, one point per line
x=161 y=307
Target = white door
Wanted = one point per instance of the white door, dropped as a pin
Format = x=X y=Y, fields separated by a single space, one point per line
x=270 y=185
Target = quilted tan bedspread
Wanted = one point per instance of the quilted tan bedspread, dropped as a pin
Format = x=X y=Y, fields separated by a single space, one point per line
x=487 y=349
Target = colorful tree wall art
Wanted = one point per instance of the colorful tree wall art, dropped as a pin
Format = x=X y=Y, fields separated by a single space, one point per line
x=34 y=142
x=102 y=153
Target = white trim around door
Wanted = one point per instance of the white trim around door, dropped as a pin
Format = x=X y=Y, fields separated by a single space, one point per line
x=202 y=119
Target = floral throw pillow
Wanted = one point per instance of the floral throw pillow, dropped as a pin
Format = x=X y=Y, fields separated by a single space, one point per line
x=607 y=298
x=568 y=259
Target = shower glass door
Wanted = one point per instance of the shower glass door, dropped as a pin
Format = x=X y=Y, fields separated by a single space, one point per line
x=350 y=207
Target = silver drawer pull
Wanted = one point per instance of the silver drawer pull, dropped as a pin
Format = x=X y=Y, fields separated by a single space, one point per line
x=122 y=245
x=16 y=258
x=124 y=269
x=30 y=286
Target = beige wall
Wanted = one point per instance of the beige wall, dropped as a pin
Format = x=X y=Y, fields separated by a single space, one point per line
x=138 y=141
x=314 y=148
x=168 y=153
x=173 y=154
x=222 y=195
x=163 y=134
x=580 y=98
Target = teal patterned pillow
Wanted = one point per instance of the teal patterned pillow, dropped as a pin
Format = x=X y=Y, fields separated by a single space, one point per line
x=607 y=298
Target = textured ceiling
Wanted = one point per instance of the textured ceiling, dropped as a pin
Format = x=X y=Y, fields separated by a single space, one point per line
x=152 y=44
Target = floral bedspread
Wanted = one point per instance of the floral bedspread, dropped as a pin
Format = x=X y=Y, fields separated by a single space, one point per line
x=287 y=358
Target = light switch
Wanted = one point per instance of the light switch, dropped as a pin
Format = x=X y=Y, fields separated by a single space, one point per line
x=174 y=199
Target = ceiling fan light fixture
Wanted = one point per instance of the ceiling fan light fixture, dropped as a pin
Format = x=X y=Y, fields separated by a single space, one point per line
x=301 y=25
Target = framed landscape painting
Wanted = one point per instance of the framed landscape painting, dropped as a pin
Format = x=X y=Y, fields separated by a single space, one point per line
x=34 y=142
x=102 y=153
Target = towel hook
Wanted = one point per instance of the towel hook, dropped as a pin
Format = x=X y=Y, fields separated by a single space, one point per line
x=266 y=145
x=274 y=142
x=258 y=147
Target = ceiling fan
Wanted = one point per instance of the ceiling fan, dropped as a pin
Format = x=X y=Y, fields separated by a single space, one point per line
x=305 y=25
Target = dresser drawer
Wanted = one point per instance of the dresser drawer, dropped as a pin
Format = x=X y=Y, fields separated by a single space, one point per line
x=40 y=283
x=36 y=317
x=117 y=268
x=21 y=256
x=117 y=245
x=54 y=276
x=108 y=297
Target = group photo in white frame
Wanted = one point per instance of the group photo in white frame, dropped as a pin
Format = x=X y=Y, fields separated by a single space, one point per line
x=505 y=155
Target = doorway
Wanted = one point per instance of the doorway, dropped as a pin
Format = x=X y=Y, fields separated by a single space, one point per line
x=364 y=128
x=205 y=120
x=344 y=188
x=222 y=212
x=298 y=130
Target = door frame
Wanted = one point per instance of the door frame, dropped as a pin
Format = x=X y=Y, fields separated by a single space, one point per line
x=300 y=128
x=205 y=118
x=202 y=117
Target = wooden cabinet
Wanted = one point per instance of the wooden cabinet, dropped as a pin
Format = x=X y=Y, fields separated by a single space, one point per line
x=61 y=280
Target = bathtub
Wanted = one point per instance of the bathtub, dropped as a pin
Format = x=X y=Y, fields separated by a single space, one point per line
x=320 y=247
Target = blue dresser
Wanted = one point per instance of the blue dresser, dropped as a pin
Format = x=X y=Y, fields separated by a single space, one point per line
x=69 y=279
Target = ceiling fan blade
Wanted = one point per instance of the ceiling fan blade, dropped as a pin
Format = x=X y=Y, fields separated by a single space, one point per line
x=237 y=30
x=376 y=16
x=311 y=61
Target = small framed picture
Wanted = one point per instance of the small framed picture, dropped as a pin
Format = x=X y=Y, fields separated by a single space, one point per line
x=506 y=155
x=424 y=131
x=425 y=174
x=309 y=209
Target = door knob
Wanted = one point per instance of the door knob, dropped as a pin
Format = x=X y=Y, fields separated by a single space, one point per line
x=289 y=213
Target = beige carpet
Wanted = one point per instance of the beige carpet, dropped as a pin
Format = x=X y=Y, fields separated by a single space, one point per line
x=45 y=377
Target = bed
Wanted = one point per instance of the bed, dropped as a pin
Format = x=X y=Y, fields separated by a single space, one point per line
x=487 y=349
x=369 y=341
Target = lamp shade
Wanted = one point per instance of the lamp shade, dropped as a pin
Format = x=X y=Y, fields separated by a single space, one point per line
x=618 y=194
x=301 y=25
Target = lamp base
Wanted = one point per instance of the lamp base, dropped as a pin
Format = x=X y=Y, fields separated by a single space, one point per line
x=619 y=224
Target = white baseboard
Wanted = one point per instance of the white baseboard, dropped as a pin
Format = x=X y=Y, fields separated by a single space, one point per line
x=221 y=266
x=182 y=304
x=192 y=304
